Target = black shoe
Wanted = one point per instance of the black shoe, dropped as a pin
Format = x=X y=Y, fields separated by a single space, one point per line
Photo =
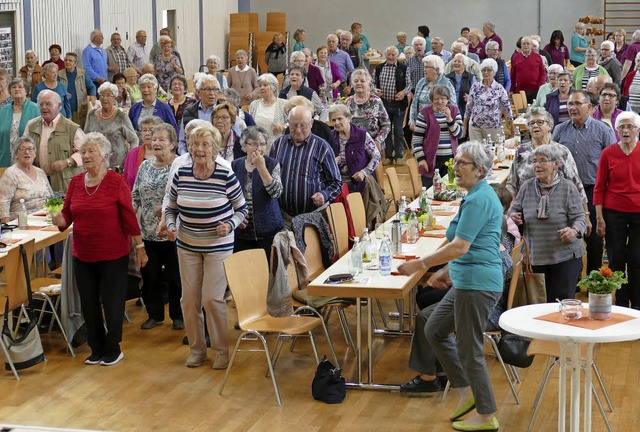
x=185 y=341
x=110 y=360
x=442 y=380
x=150 y=323
x=418 y=385
x=93 y=359
x=178 y=324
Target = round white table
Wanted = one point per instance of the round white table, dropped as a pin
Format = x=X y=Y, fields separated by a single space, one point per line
x=522 y=321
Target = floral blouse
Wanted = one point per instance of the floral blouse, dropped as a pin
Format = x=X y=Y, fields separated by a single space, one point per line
x=16 y=185
x=147 y=195
x=165 y=70
x=485 y=105
x=370 y=116
x=422 y=95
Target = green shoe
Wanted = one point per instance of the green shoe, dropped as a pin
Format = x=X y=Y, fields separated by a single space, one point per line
x=492 y=425
x=463 y=409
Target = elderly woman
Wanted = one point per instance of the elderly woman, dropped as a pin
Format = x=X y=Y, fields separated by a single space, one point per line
x=296 y=87
x=368 y=109
x=140 y=153
x=23 y=181
x=150 y=105
x=401 y=37
x=259 y=177
x=31 y=71
x=608 y=110
x=550 y=209
x=204 y=238
x=358 y=155
x=461 y=79
x=5 y=96
x=474 y=267
x=557 y=49
x=330 y=74
x=527 y=70
x=540 y=125
x=50 y=73
x=179 y=99
x=617 y=202
x=315 y=80
x=620 y=50
x=213 y=65
x=589 y=69
x=82 y=91
x=435 y=137
x=113 y=124
x=475 y=44
x=55 y=51
x=223 y=117
x=579 y=45
x=167 y=64
x=147 y=196
x=631 y=86
x=486 y=102
x=101 y=246
x=14 y=119
x=556 y=101
x=609 y=61
x=547 y=88
x=433 y=75
x=502 y=74
x=243 y=78
x=269 y=111
x=276 y=55
x=299 y=36
x=132 y=75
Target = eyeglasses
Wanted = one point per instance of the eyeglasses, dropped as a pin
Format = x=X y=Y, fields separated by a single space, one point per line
x=210 y=89
x=536 y=122
x=458 y=162
x=254 y=144
x=576 y=104
x=201 y=145
x=221 y=118
x=26 y=149
x=539 y=162
x=106 y=96
x=608 y=95
x=626 y=127
x=486 y=70
x=298 y=125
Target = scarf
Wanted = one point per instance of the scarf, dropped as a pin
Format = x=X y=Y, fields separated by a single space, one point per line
x=604 y=60
x=543 y=204
x=276 y=49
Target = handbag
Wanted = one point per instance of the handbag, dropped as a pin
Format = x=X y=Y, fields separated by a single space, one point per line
x=328 y=384
x=513 y=350
x=531 y=288
x=25 y=347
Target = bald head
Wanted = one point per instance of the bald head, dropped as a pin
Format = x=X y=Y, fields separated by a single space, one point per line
x=300 y=122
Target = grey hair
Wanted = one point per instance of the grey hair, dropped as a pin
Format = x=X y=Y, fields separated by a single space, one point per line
x=17 y=81
x=253 y=133
x=556 y=68
x=23 y=139
x=437 y=38
x=107 y=86
x=439 y=90
x=580 y=25
x=298 y=101
x=526 y=39
x=55 y=95
x=465 y=59
x=565 y=73
x=215 y=59
x=153 y=120
x=628 y=115
x=361 y=72
x=434 y=61
x=609 y=44
x=292 y=57
x=408 y=49
x=170 y=130
x=194 y=124
x=591 y=51
x=348 y=33
x=491 y=26
x=635 y=36
x=148 y=79
x=32 y=52
x=417 y=39
x=340 y=109
x=94 y=32
x=307 y=52
x=401 y=34
x=492 y=45
x=331 y=36
x=232 y=95
x=541 y=112
x=480 y=154
x=392 y=48
x=202 y=78
x=241 y=52
x=269 y=79
x=550 y=151
x=100 y=141
x=489 y=63
x=49 y=66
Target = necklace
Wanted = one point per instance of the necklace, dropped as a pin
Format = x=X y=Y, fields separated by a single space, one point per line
x=97 y=187
x=108 y=117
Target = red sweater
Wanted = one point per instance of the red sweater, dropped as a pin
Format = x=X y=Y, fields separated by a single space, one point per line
x=527 y=73
x=103 y=221
x=618 y=180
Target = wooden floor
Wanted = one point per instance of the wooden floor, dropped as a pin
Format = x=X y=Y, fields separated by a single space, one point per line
x=151 y=389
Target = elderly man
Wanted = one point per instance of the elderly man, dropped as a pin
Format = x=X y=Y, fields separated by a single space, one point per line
x=586 y=137
x=94 y=58
x=527 y=70
x=208 y=90
x=392 y=86
x=489 y=30
x=117 y=59
x=81 y=89
x=415 y=68
x=345 y=45
x=137 y=54
x=339 y=57
x=437 y=48
x=471 y=66
x=310 y=174
x=57 y=140
x=464 y=49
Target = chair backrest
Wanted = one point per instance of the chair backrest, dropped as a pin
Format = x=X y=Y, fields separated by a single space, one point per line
x=249 y=288
x=517 y=272
x=16 y=279
x=394 y=183
x=337 y=218
x=519 y=103
x=414 y=175
x=379 y=171
x=523 y=95
x=313 y=253
x=358 y=212
x=2 y=170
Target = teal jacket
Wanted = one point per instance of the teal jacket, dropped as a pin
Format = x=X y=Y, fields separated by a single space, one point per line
x=29 y=110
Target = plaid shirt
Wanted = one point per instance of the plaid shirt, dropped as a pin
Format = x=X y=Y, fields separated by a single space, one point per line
x=388 y=82
x=415 y=69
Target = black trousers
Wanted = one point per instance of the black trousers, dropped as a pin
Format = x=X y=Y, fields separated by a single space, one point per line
x=560 y=279
x=161 y=253
x=623 y=250
x=264 y=243
x=594 y=241
x=103 y=283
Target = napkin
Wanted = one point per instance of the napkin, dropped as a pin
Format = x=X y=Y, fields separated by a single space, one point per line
x=433 y=235
x=444 y=213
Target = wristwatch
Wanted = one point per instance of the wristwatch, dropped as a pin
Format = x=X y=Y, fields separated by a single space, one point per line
x=69 y=163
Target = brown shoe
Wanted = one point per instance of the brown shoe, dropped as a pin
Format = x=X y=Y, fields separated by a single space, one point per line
x=195 y=360
x=220 y=361
x=401 y=161
x=386 y=162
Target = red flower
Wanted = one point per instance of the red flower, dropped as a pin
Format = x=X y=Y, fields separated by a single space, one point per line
x=606 y=272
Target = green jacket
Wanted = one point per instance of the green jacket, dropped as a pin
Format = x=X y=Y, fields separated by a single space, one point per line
x=30 y=110
x=578 y=74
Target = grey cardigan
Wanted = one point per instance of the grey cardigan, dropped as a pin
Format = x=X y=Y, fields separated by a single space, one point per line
x=565 y=210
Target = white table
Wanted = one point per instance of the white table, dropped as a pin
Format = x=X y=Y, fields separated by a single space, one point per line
x=522 y=321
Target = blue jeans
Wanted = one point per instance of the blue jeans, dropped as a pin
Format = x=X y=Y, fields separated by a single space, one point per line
x=394 y=143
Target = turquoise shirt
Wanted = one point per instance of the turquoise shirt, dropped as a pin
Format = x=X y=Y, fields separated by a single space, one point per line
x=298 y=46
x=578 y=41
x=479 y=222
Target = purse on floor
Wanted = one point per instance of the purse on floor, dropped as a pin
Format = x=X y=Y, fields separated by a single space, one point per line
x=328 y=385
x=531 y=287
x=513 y=350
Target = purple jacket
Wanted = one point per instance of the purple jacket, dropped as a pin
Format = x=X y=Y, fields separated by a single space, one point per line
x=354 y=153
x=314 y=78
x=598 y=115
x=432 y=138
x=336 y=75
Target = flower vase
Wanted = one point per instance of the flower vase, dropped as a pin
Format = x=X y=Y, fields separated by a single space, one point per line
x=600 y=306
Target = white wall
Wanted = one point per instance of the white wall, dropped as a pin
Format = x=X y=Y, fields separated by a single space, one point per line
x=382 y=19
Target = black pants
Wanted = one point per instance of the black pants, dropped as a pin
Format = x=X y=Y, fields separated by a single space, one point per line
x=264 y=243
x=442 y=169
x=560 y=279
x=103 y=283
x=394 y=143
x=594 y=241
x=161 y=253
x=623 y=250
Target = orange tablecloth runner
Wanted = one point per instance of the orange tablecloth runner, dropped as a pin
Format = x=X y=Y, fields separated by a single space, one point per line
x=585 y=321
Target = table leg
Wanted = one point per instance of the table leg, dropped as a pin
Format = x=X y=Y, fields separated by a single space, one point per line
x=562 y=389
x=587 y=387
x=359 y=340
x=369 y=342
x=575 y=387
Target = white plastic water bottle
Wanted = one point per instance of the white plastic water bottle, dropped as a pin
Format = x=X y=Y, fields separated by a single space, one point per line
x=367 y=250
x=384 y=257
x=355 y=266
x=518 y=137
x=438 y=185
x=23 y=222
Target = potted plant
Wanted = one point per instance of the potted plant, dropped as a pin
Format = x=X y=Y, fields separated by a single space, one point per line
x=451 y=176
x=601 y=284
x=53 y=204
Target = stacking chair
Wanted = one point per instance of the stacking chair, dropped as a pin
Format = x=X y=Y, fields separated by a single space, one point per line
x=337 y=219
x=414 y=175
x=249 y=290
x=358 y=212
x=551 y=349
x=394 y=184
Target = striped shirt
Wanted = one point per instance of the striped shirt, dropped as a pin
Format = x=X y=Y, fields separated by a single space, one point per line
x=446 y=130
x=201 y=205
x=634 y=93
x=305 y=169
x=589 y=73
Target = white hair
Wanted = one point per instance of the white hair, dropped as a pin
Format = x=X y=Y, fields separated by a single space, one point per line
x=107 y=86
x=608 y=44
x=489 y=63
x=419 y=39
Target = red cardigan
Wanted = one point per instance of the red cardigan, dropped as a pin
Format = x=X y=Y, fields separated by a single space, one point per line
x=102 y=221
x=618 y=180
x=527 y=73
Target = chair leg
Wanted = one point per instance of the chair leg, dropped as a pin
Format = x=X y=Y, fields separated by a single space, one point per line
x=315 y=348
x=446 y=391
x=330 y=342
x=604 y=389
x=345 y=330
x=514 y=374
x=56 y=317
x=233 y=357
x=381 y=311
x=504 y=367
x=551 y=362
x=276 y=351
x=6 y=356
x=601 y=408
